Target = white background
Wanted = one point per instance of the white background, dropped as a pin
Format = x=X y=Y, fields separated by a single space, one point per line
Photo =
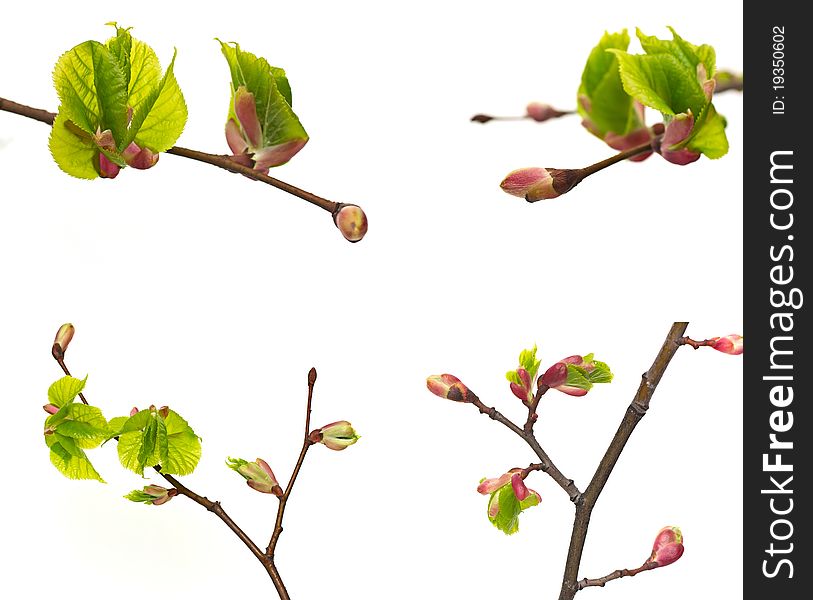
x=214 y=294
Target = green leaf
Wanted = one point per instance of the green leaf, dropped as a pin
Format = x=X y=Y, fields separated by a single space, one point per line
x=84 y=424
x=528 y=361
x=578 y=378
x=513 y=377
x=507 y=519
x=92 y=89
x=120 y=46
x=601 y=373
x=161 y=115
x=115 y=424
x=69 y=459
x=662 y=82
x=145 y=74
x=63 y=391
x=142 y=441
x=139 y=496
x=183 y=446
x=272 y=95
x=72 y=153
x=609 y=107
x=687 y=53
x=709 y=136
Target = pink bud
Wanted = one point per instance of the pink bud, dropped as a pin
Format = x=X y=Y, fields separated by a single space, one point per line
x=730 y=344
x=63 y=337
x=532 y=181
x=134 y=411
x=555 y=375
x=246 y=110
x=139 y=158
x=518 y=485
x=519 y=391
x=678 y=129
x=668 y=546
x=448 y=386
x=50 y=409
x=541 y=112
x=164 y=412
x=104 y=139
x=107 y=168
x=351 y=221
x=160 y=494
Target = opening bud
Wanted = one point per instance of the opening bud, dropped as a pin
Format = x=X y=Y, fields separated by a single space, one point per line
x=542 y=112
x=448 y=386
x=336 y=436
x=159 y=495
x=258 y=475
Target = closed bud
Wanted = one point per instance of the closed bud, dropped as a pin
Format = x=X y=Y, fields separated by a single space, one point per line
x=139 y=158
x=336 y=436
x=134 y=411
x=668 y=547
x=531 y=182
x=542 y=112
x=448 y=386
x=63 y=337
x=730 y=344
x=50 y=409
x=351 y=221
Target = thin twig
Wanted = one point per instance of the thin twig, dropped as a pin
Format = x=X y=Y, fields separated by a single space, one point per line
x=634 y=413
x=546 y=465
x=618 y=574
x=283 y=501
x=218 y=160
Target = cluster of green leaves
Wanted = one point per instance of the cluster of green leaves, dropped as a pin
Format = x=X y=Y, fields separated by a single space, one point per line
x=117 y=86
x=527 y=361
x=584 y=378
x=151 y=437
x=673 y=77
x=272 y=95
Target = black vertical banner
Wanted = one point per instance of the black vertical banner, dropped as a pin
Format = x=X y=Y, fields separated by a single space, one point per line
x=777 y=261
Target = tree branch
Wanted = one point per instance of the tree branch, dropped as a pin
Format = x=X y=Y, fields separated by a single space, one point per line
x=217 y=509
x=635 y=412
x=218 y=160
x=546 y=464
x=283 y=501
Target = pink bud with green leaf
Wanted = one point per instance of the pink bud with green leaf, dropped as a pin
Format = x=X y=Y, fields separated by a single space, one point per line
x=673 y=145
x=522 y=379
x=258 y=475
x=351 y=221
x=509 y=497
x=448 y=386
x=261 y=129
x=668 y=547
x=575 y=375
x=336 y=436
x=730 y=344
x=152 y=494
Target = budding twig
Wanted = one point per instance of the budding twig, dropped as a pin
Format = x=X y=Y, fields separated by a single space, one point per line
x=618 y=574
x=218 y=160
x=635 y=412
x=687 y=341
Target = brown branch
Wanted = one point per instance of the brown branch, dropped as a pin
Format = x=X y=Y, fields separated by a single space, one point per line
x=217 y=509
x=635 y=412
x=546 y=464
x=687 y=341
x=541 y=389
x=618 y=574
x=283 y=501
x=218 y=160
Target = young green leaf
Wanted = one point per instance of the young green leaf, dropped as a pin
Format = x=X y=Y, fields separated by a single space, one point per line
x=85 y=425
x=69 y=459
x=602 y=101
x=63 y=391
x=147 y=439
x=139 y=496
x=577 y=377
x=507 y=518
x=183 y=446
